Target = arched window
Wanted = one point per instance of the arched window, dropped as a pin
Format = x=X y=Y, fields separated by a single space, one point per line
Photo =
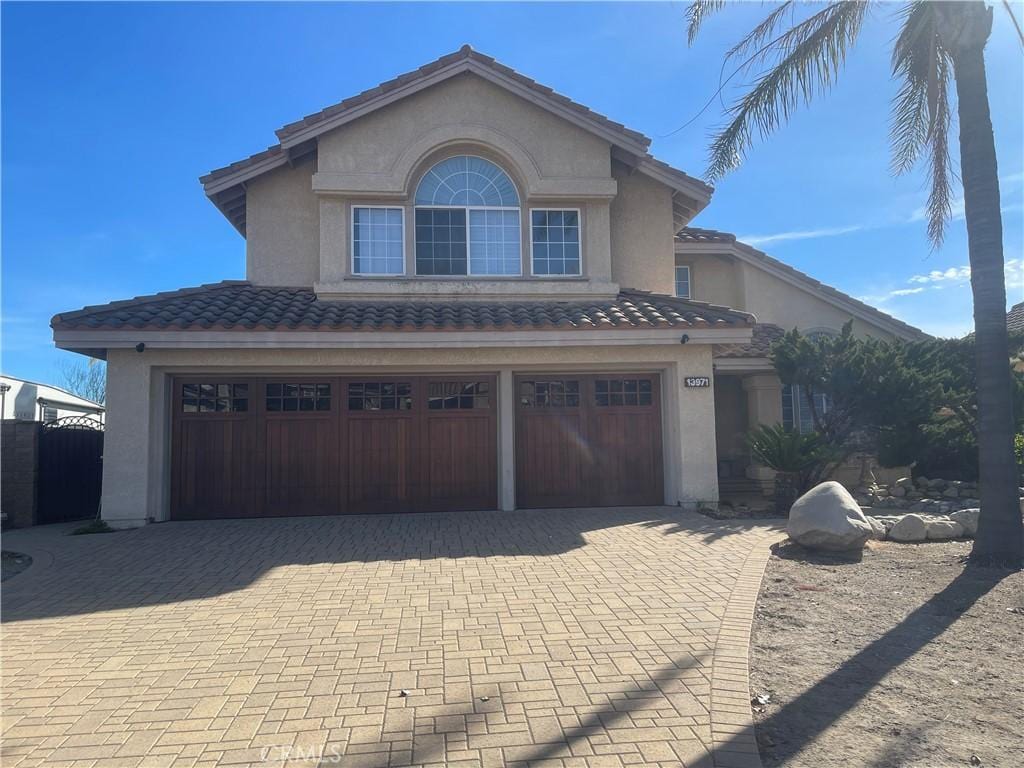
x=467 y=220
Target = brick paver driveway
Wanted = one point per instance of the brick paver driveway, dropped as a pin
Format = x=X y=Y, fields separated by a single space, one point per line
x=561 y=638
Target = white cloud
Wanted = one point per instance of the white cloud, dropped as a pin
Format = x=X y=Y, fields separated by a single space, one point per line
x=959 y=274
x=806 y=234
x=953 y=277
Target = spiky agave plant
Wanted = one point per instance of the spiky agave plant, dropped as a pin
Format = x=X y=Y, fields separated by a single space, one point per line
x=796 y=53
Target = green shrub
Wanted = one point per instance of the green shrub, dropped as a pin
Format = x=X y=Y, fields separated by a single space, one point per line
x=799 y=460
x=93 y=526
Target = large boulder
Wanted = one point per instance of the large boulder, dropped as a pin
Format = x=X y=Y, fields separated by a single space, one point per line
x=878 y=529
x=828 y=517
x=940 y=530
x=968 y=518
x=910 y=528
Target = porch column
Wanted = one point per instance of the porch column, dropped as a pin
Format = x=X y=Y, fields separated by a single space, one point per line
x=128 y=435
x=764 y=406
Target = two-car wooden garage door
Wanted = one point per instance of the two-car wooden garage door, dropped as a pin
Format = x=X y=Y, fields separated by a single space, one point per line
x=307 y=445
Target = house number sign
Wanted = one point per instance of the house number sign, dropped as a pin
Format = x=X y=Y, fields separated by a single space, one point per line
x=697 y=381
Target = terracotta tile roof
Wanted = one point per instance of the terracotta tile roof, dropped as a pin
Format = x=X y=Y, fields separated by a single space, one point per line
x=271 y=151
x=299 y=138
x=243 y=306
x=697 y=235
x=1015 y=318
x=464 y=53
x=765 y=334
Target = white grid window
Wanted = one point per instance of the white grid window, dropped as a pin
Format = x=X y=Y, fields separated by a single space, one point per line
x=377 y=241
x=683 y=282
x=555 y=236
x=493 y=242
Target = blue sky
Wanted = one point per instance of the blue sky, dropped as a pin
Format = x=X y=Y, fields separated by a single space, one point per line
x=111 y=112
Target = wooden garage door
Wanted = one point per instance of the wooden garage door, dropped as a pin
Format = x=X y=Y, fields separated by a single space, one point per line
x=315 y=445
x=592 y=440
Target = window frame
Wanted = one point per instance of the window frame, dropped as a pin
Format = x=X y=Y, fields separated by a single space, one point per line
x=689 y=281
x=579 y=219
x=469 y=255
x=467 y=208
x=352 y=241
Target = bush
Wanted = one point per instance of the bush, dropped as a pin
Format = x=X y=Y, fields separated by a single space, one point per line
x=93 y=526
x=947 y=449
x=800 y=460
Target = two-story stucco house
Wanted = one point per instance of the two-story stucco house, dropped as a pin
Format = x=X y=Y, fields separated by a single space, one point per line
x=463 y=291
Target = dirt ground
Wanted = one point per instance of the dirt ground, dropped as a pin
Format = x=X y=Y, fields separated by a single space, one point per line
x=907 y=658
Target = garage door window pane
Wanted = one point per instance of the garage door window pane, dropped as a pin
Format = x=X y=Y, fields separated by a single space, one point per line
x=623 y=392
x=457 y=395
x=561 y=393
x=287 y=397
x=215 y=397
x=380 y=396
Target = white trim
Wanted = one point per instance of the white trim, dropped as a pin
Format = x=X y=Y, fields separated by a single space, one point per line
x=352 y=241
x=243 y=339
x=579 y=226
x=689 y=281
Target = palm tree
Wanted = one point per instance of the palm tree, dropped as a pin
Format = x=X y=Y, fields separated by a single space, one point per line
x=937 y=44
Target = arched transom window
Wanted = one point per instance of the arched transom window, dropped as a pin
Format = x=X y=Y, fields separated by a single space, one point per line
x=467 y=220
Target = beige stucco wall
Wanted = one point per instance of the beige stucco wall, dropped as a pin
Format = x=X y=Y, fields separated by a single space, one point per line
x=373 y=144
x=642 y=232
x=721 y=278
x=773 y=300
x=282 y=228
x=717 y=279
x=136 y=469
x=299 y=229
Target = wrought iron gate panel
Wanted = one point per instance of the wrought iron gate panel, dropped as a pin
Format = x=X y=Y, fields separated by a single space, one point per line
x=70 y=469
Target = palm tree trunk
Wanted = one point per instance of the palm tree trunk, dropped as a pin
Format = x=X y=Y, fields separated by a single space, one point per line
x=1000 y=536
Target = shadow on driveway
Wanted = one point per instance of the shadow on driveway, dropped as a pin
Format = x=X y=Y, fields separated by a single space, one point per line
x=179 y=561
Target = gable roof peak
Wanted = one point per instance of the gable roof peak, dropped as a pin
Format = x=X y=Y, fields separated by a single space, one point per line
x=466 y=58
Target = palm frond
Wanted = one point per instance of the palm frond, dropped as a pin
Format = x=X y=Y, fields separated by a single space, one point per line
x=695 y=15
x=809 y=58
x=921 y=114
x=759 y=35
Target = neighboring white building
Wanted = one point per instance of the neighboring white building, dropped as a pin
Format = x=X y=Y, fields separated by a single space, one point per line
x=32 y=401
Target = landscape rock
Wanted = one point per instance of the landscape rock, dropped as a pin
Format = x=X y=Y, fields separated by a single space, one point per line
x=909 y=528
x=827 y=517
x=968 y=518
x=941 y=530
x=879 y=530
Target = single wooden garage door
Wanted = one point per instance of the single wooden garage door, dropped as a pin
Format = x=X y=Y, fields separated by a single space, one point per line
x=322 y=445
x=592 y=440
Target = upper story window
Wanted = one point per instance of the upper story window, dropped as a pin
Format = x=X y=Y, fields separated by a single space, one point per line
x=683 y=282
x=467 y=220
x=555 y=241
x=378 y=240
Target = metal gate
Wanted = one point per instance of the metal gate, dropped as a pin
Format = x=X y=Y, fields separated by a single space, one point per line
x=70 y=469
